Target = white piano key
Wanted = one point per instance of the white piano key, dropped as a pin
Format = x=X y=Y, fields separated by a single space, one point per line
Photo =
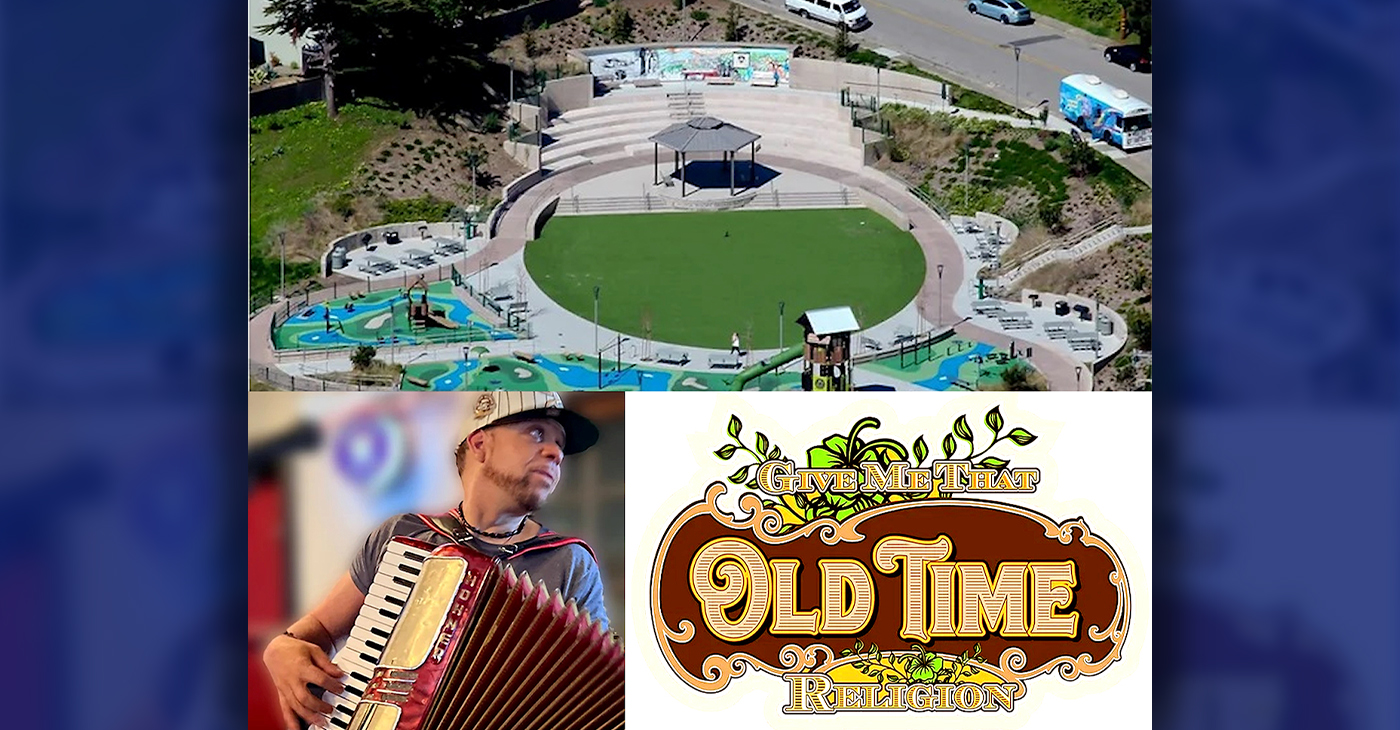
x=383 y=605
x=398 y=548
x=358 y=646
x=384 y=586
x=365 y=638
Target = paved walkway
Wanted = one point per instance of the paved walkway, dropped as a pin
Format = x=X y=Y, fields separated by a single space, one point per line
x=558 y=330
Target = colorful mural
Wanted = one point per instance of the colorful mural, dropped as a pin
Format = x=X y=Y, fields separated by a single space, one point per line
x=742 y=64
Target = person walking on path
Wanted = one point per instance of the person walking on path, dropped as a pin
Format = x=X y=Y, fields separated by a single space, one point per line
x=734 y=348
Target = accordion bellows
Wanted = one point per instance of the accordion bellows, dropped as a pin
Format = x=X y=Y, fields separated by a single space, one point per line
x=473 y=645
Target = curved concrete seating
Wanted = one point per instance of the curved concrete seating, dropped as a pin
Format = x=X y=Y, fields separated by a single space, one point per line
x=792 y=124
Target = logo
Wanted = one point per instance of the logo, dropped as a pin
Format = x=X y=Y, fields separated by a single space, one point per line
x=867 y=572
x=485 y=404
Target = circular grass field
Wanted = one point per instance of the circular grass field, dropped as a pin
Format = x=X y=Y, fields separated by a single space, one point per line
x=698 y=277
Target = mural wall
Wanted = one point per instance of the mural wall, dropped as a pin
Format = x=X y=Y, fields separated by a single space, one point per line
x=695 y=63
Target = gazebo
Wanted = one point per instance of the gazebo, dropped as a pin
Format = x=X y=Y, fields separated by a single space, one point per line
x=702 y=134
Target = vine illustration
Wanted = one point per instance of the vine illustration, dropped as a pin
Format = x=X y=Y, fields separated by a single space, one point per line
x=916 y=666
x=849 y=451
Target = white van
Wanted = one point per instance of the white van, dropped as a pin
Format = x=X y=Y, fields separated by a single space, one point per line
x=835 y=12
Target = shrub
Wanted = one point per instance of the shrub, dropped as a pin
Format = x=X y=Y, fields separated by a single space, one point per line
x=699 y=16
x=426 y=208
x=1051 y=213
x=363 y=357
x=343 y=205
x=1139 y=326
x=1081 y=159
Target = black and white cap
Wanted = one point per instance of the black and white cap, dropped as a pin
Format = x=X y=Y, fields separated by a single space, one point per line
x=493 y=408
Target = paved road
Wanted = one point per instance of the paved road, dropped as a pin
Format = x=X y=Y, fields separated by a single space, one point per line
x=974 y=51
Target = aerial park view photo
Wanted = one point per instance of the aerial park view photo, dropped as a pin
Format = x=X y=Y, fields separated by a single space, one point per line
x=659 y=195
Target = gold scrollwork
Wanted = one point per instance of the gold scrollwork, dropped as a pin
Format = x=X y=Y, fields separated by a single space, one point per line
x=762 y=521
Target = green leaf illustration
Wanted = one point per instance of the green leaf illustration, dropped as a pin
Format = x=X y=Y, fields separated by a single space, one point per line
x=761 y=445
x=992 y=462
x=920 y=449
x=776 y=453
x=949 y=446
x=738 y=476
x=735 y=426
x=994 y=420
x=1021 y=436
x=726 y=451
x=962 y=430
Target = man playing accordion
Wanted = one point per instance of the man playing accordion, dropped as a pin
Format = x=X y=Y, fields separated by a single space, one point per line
x=509 y=453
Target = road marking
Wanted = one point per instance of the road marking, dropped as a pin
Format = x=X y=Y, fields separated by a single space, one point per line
x=965 y=36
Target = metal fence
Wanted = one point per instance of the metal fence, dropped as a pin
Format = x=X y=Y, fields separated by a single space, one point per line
x=284 y=381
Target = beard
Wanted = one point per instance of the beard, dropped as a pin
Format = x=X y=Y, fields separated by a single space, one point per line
x=527 y=500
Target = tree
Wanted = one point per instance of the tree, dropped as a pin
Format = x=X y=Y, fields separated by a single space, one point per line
x=363 y=357
x=843 y=41
x=527 y=36
x=406 y=51
x=731 y=24
x=1139 y=19
x=620 y=25
x=475 y=157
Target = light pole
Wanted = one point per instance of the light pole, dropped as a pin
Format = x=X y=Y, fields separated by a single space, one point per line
x=1017 y=51
x=781 y=306
x=967 y=173
x=596 y=291
x=282 y=289
x=940 y=296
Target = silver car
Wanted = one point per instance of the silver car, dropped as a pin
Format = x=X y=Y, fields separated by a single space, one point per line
x=1007 y=11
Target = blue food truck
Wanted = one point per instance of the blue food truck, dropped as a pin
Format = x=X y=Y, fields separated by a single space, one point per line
x=1106 y=112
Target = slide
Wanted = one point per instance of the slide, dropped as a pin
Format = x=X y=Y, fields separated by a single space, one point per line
x=766 y=366
x=437 y=321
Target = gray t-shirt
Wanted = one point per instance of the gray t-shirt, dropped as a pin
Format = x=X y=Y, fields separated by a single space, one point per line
x=569 y=569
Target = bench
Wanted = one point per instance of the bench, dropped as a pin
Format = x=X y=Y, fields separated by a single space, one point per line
x=726 y=361
x=1016 y=322
x=646 y=83
x=720 y=80
x=671 y=356
x=871 y=343
x=764 y=78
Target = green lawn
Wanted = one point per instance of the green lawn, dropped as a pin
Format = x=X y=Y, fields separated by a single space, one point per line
x=1099 y=17
x=295 y=155
x=699 y=285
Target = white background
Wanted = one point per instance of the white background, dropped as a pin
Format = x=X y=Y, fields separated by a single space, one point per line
x=1094 y=452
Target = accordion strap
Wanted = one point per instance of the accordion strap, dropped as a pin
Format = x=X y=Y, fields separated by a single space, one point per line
x=449 y=526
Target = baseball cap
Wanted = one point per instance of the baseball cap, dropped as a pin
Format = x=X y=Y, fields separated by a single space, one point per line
x=493 y=408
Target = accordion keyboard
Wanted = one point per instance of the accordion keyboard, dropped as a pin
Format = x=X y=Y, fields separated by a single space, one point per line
x=397 y=574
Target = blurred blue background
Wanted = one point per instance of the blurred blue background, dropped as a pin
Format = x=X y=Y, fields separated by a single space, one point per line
x=122 y=258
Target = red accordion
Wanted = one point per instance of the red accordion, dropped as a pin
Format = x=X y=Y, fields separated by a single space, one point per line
x=449 y=639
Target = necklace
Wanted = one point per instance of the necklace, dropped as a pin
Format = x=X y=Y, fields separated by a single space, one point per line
x=492 y=535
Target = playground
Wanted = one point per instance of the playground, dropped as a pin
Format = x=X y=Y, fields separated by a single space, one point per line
x=694 y=279
x=954 y=363
x=558 y=372
x=426 y=314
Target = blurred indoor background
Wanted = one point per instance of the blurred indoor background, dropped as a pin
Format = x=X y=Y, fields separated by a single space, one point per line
x=326 y=468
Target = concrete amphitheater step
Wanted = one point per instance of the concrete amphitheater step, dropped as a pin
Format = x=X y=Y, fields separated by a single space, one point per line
x=627 y=126
x=592 y=147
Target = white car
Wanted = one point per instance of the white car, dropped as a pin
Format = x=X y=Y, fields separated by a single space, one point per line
x=837 y=12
